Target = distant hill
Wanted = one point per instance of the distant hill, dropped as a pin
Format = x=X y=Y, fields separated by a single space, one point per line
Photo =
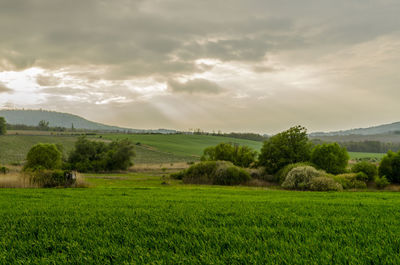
x=65 y=120
x=375 y=130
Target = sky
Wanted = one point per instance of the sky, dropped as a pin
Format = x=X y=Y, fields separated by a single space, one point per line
x=231 y=65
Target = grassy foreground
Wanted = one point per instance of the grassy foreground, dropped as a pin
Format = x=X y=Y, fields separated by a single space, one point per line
x=152 y=223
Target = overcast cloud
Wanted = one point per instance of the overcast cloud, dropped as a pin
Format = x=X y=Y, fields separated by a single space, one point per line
x=231 y=65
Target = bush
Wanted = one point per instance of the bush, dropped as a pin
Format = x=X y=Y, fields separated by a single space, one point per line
x=46 y=156
x=242 y=156
x=324 y=184
x=381 y=182
x=350 y=181
x=285 y=148
x=89 y=156
x=299 y=178
x=214 y=173
x=283 y=172
x=361 y=176
x=390 y=167
x=261 y=174
x=330 y=157
x=3 y=126
x=367 y=168
x=52 y=178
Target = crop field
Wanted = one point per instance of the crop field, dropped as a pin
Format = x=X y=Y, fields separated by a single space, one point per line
x=13 y=148
x=360 y=155
x=182 y=144
x=134 y=219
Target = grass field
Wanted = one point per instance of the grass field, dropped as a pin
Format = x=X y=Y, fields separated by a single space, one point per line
x=182 y=144
x=152 y=149
x=359 y=155
x=134 y=219
x=13 y=148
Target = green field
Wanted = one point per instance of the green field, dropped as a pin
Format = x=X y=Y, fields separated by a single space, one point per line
x=134 y=219
x=152 y=149
x=359 y=155
x=182 y=144
x=13 y=148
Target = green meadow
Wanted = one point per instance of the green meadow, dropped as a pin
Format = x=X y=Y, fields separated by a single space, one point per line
x=135 y=219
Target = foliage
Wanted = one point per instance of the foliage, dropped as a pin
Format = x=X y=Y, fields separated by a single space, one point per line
x=89 y=156
x=45 y=156
x=52 y=178
x=381 y=182
x=299 y=178
x=390 y=167
x=260 y=173
x=3 y=126
x=215 y=173
x=350 y=181
x=242 y=156
x=283 y=172
x=367 y=168
x=330 y=157
x=285 y=148
x=325 y=184
x=4 y=170
x=43 y=125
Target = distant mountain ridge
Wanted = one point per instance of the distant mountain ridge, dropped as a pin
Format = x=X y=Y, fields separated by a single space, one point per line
x=380 y=129
x=65 y=120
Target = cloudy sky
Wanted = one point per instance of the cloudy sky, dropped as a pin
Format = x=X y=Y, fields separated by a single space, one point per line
x=230 y=65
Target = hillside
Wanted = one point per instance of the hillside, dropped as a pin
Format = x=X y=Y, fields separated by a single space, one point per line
x=375 y=130
x=58 y=119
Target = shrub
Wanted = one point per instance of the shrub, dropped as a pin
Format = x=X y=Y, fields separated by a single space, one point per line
x=381 y=182
x=367 y=168
x=299 y=178
x=89 y=156
x=261 y=174
x=325 y=184
x=178 y=175
x=46 y=156
x=3 y=126
x=390 y=167
x=4 y=170
x=215 y=173
x=330 y=157
x=361 y=176
x=350 y=181
x=283 y=172
x=285 y=148
x=242 y=156
x=52 y=178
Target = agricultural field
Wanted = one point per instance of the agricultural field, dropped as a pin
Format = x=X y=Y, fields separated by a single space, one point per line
x=181 y=144
x=135 y=219
x=360 y=155
x=154 y=149
x=13 y=148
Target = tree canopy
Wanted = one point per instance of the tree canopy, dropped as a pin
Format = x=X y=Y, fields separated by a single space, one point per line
x=285 y=148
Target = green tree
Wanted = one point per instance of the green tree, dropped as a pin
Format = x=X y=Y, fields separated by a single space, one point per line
x=367 y=168
x=46 y=156
x=242 y=156
x=330 y=157
x=390 y=167
x=101 y=157
x=43 y=125
x=3 y=126
x=285 y=148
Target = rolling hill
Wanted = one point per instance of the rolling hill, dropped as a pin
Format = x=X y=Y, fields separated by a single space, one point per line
x=65 y=120
x=393 y=128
